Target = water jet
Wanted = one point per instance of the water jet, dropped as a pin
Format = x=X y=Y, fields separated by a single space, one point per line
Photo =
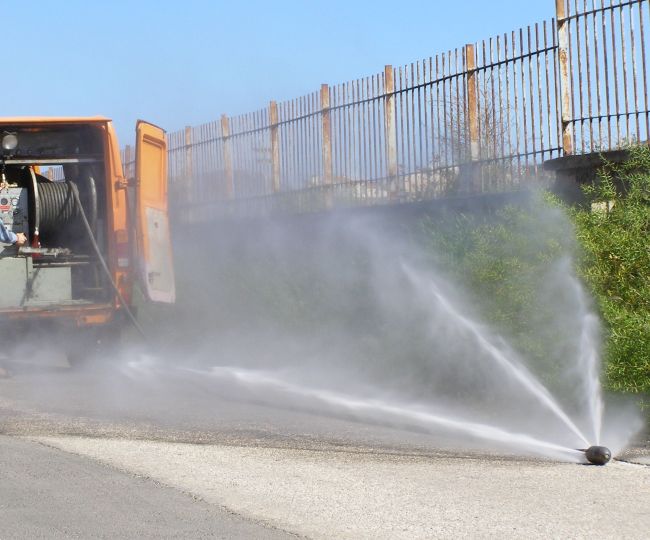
x=598 y=455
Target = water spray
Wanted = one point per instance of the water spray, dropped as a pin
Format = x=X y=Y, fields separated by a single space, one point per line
x=507 y=362
x=371 y=408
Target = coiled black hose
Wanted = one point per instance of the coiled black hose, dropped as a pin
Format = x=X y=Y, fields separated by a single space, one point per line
x=57 y=205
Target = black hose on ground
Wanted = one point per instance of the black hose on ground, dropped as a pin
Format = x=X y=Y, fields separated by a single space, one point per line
x=75 y=194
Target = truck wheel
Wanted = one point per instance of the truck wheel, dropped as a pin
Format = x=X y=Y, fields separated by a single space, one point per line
x=94 y=344
x=77 y=358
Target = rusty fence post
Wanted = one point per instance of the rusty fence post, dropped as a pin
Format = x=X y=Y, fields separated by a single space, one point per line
x=472 y=118
x=227 y=157
x=188 y=173
x=326 y=137
x=565 y=79
x=274 y=122
x=390 y=128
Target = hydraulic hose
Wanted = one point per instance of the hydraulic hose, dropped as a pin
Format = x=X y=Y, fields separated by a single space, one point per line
x=102 y=261
x=37 y=207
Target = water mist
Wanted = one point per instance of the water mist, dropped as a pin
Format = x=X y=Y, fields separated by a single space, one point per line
x=351 y=317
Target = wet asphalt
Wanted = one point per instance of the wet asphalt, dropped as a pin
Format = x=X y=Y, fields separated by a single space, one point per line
x=99 y=453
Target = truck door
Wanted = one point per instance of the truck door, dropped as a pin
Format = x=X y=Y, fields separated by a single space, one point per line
x=152 y=222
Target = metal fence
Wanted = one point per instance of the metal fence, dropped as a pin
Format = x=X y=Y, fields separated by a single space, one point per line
x=605 y=95
x=480 y=118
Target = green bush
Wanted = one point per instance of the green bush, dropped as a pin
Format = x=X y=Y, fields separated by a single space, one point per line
x=501 y=260
x=501 y=257
x=614 y=233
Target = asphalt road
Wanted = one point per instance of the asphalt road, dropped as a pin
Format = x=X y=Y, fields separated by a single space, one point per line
x=46 y=493
x=103 y=453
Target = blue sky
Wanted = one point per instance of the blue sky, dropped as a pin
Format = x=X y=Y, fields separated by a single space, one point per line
x=184 y=63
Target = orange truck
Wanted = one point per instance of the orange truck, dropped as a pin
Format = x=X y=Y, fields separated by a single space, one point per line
x=92 y=234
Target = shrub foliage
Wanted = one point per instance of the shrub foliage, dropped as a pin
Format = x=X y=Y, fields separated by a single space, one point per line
x=614 y=232
x=501 y=259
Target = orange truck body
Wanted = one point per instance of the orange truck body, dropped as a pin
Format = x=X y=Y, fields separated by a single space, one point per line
x=129 y=217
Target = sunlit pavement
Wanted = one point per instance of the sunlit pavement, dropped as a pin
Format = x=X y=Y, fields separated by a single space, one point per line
x=348 y=494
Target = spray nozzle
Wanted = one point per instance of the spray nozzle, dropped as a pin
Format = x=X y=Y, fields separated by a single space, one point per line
x=597 y=455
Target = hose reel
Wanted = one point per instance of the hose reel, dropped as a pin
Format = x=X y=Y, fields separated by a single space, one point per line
x=57 y=206
x=55 y=216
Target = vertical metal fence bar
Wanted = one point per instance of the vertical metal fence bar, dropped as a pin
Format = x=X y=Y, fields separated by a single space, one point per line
x=577 y=52
x=446 y=117
x=403 y=142
x=374 y=171
x=587 y=53
x=340 y=173
x=353 y=162
x=621 y=19
x=606 y=72
x=188 y=174
x=538 y=81
x=646 y=107
x=347 y=142
x=425 y=130
x=615 y=81
x=437 y=136
x=531 y=93
x=508 y=112
x=503 y=110
x=461 y=119
x=598 y=107
x=293 y=127
x=286 y=150
x=524 y=103
x=491 y=108
x=410 y=115
x=549 y=116
x=306 y=153
x=634 y=76
x=404 y=131
x=297 y=141
x=365 y=125
x=299 y=124
x=422 y=125
x=515 y=101
x=358 y=151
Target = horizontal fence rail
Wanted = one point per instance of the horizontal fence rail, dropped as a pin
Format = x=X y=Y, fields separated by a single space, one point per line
x=476 y=119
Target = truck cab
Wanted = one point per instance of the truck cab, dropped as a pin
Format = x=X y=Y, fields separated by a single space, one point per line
x=92 y=235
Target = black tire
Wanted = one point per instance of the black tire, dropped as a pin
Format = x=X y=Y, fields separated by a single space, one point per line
x=91 y=344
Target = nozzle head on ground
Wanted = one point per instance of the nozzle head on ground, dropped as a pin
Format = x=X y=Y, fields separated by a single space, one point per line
x=598 y=455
